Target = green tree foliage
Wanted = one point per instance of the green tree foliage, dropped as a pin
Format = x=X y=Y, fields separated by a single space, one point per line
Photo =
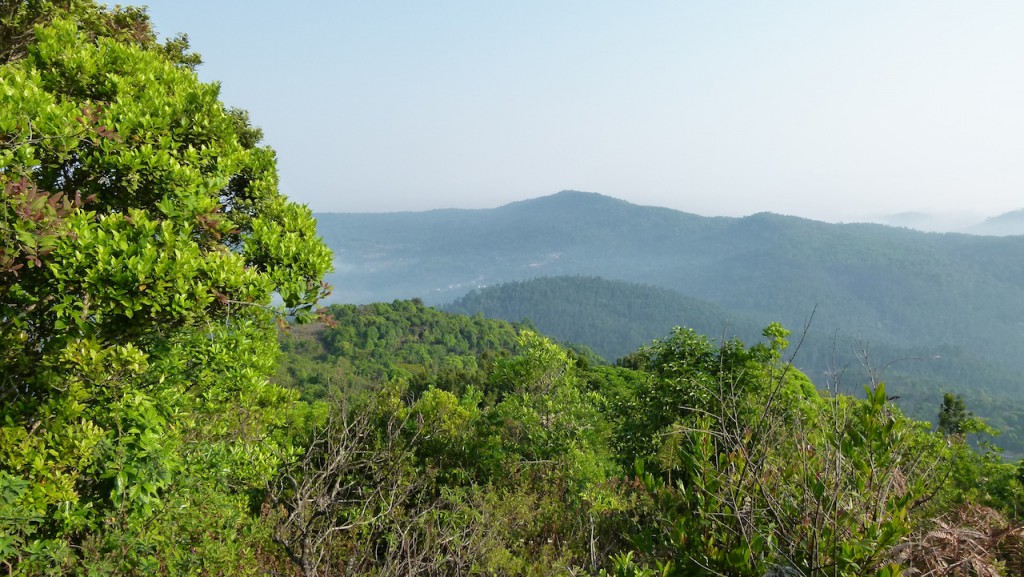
x=362 y=346
x=749 y=470
x=18 y=20
x=691 y=374
x=505 y=481
x=612 y=317
x=503 y=447
x=953 y=415
x=142 y=237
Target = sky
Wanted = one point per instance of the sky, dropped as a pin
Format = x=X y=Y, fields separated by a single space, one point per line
x=838 y=111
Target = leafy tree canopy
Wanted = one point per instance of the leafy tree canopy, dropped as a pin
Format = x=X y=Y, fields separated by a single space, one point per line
x=952 y=415
x=142 y=238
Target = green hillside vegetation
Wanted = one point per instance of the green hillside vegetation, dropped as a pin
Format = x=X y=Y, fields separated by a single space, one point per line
x=359 y=347
x=616 y=317
x=150 y=425
x=544 y=464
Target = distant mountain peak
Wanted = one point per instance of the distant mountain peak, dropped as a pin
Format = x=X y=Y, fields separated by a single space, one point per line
x=1006 y=224
x=1013 y=215
x=579 y=193
x=929 y=221
x=572 y=196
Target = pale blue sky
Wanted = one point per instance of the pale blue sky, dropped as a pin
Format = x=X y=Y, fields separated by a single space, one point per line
x=829 y=110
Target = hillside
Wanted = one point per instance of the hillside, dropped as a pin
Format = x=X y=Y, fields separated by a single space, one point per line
x=614 y=318
x=956 y=296
x=1010 y=223
x=475 y=437
x=363 y=346
x=931 y=222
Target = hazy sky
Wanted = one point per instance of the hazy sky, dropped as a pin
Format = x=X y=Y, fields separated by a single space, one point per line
x=829 y=110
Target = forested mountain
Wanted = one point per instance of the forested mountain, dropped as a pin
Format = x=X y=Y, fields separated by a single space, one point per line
x=871 y=281
x=919 y=295
x=614 y=318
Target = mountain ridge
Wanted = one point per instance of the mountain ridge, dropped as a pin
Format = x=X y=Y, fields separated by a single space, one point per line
x=867 y=279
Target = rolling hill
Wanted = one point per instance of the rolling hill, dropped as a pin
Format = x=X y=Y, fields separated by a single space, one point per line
x=1009 y=223
x=613 y=318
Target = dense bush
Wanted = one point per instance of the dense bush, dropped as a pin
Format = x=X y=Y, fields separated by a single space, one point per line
x=142 y=237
